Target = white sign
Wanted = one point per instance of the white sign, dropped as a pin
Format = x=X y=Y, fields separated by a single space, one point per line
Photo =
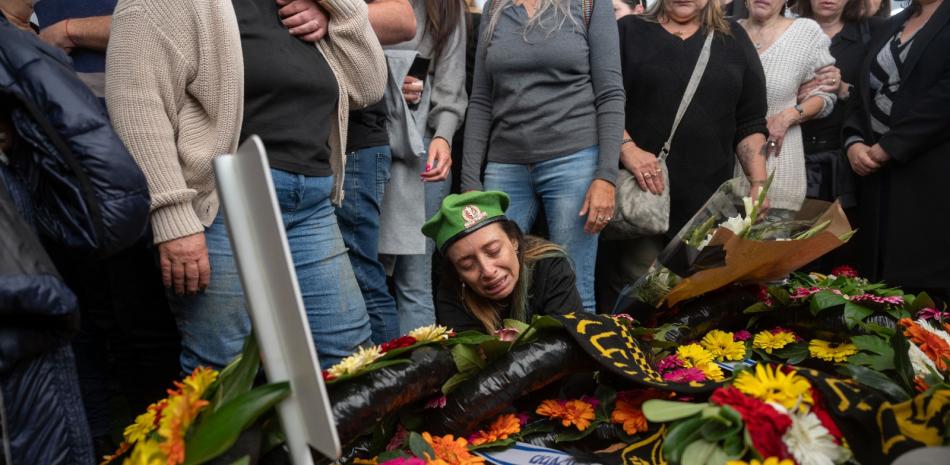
x=527 y=454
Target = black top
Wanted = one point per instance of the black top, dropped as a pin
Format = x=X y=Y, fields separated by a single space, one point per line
x=553 y=292
x=290 y=93
x=848 y=47
x=367 y=127
x=729 y=105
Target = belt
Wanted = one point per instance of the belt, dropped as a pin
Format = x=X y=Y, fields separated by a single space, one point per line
x=814 y=144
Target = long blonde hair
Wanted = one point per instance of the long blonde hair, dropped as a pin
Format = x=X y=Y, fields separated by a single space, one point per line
x=712 y=15
x=561 y=8
x=531 y=249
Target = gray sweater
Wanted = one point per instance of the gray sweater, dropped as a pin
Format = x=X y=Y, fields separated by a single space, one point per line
x=548 y=96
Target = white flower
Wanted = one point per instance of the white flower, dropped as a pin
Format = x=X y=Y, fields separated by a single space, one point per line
x=356 y=362
x=811 y=443
x=748 y=204
x=921 y=363
x=705 y=242
x=431 y=333
x=929 y=327
x=737 y=224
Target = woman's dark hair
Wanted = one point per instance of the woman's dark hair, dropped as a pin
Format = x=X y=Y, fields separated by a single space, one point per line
x=853 y=12
x=442 y=17
x=885 y=10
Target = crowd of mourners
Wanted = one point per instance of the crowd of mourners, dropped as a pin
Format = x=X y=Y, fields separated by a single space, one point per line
x=434 y=161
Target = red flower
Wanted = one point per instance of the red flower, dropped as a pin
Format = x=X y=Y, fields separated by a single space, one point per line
x=819 y=410
x=765 y=425
x=327 y=377
x=765 y=297
x=846 y=271
x=398 y=343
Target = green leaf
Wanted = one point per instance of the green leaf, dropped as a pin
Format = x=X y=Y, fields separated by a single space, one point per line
x=516 y=324
x=679 y=438
x=825 y=299
x=504 y=443
x=390 y=455
x=467 y=359
x=606 y=395
x=734 y=445
x=758 y=307
x=536 y=427
x=454 y=381
x=905 y=372
x=663 y=411
x=238 y=377
x=875 y=328
x=470 y=338
x=246 y=460
x=854 y=313
x=419 y=447
x=875 y=353
x=217 y=432
x=920 y=302
x=540 y=322
x=793 y=353
x=780 y=295
x=716 y=429
x=877 y=381
x=575 y=435
x=697 y=452
x=494 y=349
x=719 y=456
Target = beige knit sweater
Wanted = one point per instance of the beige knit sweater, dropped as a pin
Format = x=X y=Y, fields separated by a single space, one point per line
x=175 y=92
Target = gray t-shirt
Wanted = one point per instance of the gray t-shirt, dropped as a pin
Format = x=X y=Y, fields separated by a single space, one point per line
x=547 y=94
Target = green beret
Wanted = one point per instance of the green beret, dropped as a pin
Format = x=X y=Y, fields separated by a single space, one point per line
x=462 y=214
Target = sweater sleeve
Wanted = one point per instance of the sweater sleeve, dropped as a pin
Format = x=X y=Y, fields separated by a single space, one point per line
x=478 y=119
x=558 y=288
x=752 y=104
x=821 y=57
x=448 y=86
x=604 y=43
x=146 y=75
x=354 y=45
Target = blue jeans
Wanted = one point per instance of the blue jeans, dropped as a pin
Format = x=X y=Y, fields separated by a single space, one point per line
x=367 y=173
x=213 y=324
x=560 y=185
x=412 y=274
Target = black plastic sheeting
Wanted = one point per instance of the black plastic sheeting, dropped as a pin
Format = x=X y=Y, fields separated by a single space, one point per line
x=524 y=369
x=359 y=404
x=721 y=309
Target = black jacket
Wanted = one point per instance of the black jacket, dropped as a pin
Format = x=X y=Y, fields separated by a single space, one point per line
x=904 y=213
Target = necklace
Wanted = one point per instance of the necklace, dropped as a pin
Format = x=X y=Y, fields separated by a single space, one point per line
x=760 y=36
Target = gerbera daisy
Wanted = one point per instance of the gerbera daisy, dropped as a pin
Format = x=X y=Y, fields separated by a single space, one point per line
x=723 y=346
x=356 y=362
x=572 y=412
x=769 y=341
x=502 y=428
x=199 y=380
x=831 y=351
x=685 y=375
x=712 y=371
x=146 y=452
x=431 y=333
x=630 y=416
x=693 y=355
x=811 y=443
x=144 y=424
x=928 y=340
x=771 y=384
x=451 y=450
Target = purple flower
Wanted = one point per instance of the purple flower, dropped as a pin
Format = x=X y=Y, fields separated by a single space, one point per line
x=685 y=375
x=398 y=439
x=593 y=401
x=932 y=314
x=507 y=334
x=742 y=335
x=670 y=362
x=522 y=418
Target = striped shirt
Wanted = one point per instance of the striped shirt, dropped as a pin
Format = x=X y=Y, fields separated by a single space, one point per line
x=886 y=80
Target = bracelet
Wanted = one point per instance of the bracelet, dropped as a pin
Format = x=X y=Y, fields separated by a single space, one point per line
x=757 y=182
x=68 y=35
x=626 y=141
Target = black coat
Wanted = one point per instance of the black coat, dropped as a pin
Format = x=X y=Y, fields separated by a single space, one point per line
x=904 y=208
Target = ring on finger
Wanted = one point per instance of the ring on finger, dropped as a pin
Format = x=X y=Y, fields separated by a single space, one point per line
x=647 y=175
x=772 y=143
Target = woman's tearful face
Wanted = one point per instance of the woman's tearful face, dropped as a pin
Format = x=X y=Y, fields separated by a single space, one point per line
x=487 y=262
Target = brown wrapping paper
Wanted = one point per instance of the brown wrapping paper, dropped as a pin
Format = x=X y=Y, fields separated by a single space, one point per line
x=758 y=261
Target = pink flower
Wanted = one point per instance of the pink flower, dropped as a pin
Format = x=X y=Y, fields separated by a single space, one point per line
x=886 y=300
x=523 y=418
x=741 y=335
x=932 y=314
x=779 y=330
x=593 y=401
x=405 y=461
x=398 y=439
x=685 y=375
x=846 y=271
x=436 y=402
x=507 y=334
x=670 y=362
x=804 y=292
x=624 y=316
x=765 y=297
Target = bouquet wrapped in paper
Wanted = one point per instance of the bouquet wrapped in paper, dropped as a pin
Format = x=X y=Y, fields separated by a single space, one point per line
x=733 y=239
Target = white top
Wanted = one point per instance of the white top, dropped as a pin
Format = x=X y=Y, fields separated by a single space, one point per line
x=790 y=61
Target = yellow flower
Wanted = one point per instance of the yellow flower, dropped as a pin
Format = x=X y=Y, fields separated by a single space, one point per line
x=356 y=362
x=144 y=424
x=831 y=351
x=359 y=461
x=768 y=461
x=771 y=384
x=199 y=380
x=177 y=417
x=693 y=355
x=769 y=341
x=146 y=452
x=502 y=428
x=430 y=333
x=450 y=450
x=712 y=371
x=722 y=346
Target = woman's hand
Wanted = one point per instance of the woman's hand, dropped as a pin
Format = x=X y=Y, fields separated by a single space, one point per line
x=305 y=19
x=778 y=125
x=859 y=155
x=439 y=162
x=598 y=205
x=184 y=263
x=412 y=89
x=827 y=79
x=644 y=166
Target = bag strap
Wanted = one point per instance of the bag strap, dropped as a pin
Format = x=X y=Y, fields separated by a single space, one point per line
x=688 y=95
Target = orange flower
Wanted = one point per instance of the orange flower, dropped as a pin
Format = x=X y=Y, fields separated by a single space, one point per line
x=180 y=411
x=920 y=385
x=931 y=344
x=571 y=412
x=123 y=448
x=450 y=450
x=502 y=428
x=630 y=416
